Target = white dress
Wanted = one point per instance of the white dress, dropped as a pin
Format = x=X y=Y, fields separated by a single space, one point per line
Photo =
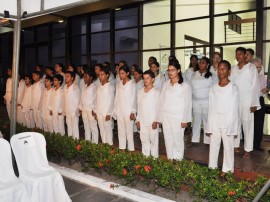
x=8 y=95
x=21 y=89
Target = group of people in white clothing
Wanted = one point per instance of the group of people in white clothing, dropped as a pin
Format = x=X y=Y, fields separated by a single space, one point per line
x=219 y=97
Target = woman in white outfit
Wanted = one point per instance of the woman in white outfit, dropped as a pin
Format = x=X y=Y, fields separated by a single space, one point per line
x=193 y=66
x=21 y=89
x=175 y=111
x=7 y=96
x=159 y=78
x=223 y=119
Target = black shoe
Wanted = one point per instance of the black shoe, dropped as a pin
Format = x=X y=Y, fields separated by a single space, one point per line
x=259 y=149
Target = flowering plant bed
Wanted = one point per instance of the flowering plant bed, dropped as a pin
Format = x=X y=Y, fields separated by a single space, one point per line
x=134 y=167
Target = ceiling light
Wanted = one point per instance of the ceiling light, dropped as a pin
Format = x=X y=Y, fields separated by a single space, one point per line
x=117 y=9
x=60 y=21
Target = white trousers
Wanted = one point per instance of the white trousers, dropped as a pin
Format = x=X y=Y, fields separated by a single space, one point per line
x=29 y=119
x=37 y=118
x=247 y=121
x=20 y=115
x=200 y=115
x=125 y=133
x=105 y=128
x=48 y=124
x=90 y=127
x=58 y=124
x=73 y=126
x=8 y=105
x=149 y=139
x=228 y=150
x=173 y=136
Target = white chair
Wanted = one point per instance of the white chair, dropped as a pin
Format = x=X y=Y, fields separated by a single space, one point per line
x=43 y=183
x=11 y=188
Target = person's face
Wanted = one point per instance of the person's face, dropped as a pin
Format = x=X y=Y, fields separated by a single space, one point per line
x=103 y=77
x=132 y=70
x=117 y=67
x=154 y=68
x=79 y=69
x=203 y=65
x=35 y=77
x=240 y=56
x=48 y=83
x=38 y=68
x=57 y=68
x=27 y=80
x=56 y=82
x=87 y=79
x=9 y=72
x=223 y=71
x=70 y=68
x=97 y=70
x=148 y=80
x=193 y=62
x=137 y=76
x=172 y=72
x=249 y=56
x=216 y=58
x=69 y=79
x=258 y=66
x=150 y=61
x=123 y=75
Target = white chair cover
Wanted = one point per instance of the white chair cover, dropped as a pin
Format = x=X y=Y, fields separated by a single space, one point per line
x=11 y=188
x=43 y=182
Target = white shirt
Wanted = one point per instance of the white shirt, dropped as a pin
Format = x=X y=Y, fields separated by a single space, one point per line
x=57 y=101
x=159 y=81
x=21 y=90
x=223 y=110
x=37 y=90
x=72 y=97
x=27 y=99
x=246 y=79
x=139 y=85
x=176 y=101
x=187 y=74
x=77 y=80
x=148 y=106
x=45 y=102
x=125 y=99
x=105 y=99
x=7 y=96
x=88 y=98
x=262 y=82
x=200 y=88
x=214 y=74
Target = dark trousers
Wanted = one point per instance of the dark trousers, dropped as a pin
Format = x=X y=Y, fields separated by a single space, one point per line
x=258 y=124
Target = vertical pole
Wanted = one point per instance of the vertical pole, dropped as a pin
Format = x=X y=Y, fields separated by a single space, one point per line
x=15 y=69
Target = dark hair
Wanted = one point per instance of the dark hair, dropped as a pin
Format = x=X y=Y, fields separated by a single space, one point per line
x=72 y=74
x=196 y=57
x=251 y=51
x=29 y=76
x=217 y=53
x=106 y=70
x=172 y=57
x=99 y=65
x=107 y=64
x=208 y=61
x=138 y=70
x=126 y=69
x=40 y=66
x=73 y=67
x=50 y=68
x=85 y=67
x=152 y=58
x=244 y=50
x=150 y=73
x=156 y=63
x=49 y=78
x=177 y=65
x=37 y=73
x=59 y=77
x=135 y=66
x=91 y=73
x=226 y=63
x=123 y=61
x=62 y=66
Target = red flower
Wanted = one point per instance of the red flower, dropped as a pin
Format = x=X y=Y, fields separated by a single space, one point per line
x=231 y=193
x=107 y=161
x=100 y=164
x=124 y=172
x=137 y=167
x=147 y=168
x=79 y=147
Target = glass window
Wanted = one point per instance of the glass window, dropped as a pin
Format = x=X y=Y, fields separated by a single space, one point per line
x=100 y=43
x=131 y=58
x=190 y=9
x=28 y=36
x=146 y=55
x=42 y=33
x=58 y=30
x=126 y=40
x=222 y=6
x=267 y=3
x=227 y=31
x=6 y=59
x=43 y=55
x=192 y=33
x=99 y=58
x=29 y=60
x=78 y=45
x=266 y=59
x=266 y=32
x=78 y=25
x=156 y=37
x=5 y=40
x=58 y=48
x=78 y=60
x=155 y=12
x=100 y=22
x=126 y=18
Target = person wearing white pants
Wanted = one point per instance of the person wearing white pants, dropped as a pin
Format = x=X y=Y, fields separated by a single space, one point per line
x=125 y=109
x=245 y=76
x=201 y=81
x=87 y=105
x=175 y=111
x=72 y=96
x=104 y=106
x=21 y=89
x=37 y=90
x=8 y=95
x=147 y=117
x=223 y=119
x=47 y=119
x=56 y=106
